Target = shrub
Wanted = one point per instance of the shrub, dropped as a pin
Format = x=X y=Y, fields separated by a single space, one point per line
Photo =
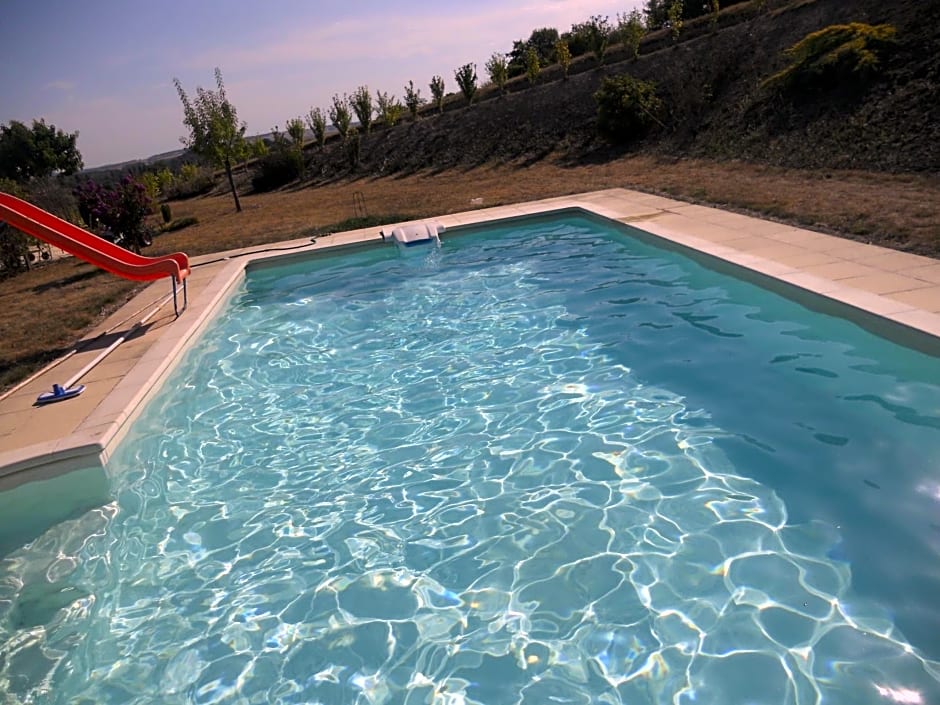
x=361 y=102
x=841 y=54
x=14 y=245
x=279 y=167
x=120 y=209
x=497 y=68
x=626 y=108
x=166 y=213
x=257 y=148
x=14 y=250
x=466 y=77
x=437 y=90
x=191 y=181
x=150 y=182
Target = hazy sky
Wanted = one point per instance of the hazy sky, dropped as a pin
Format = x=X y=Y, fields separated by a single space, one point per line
x=105 y=67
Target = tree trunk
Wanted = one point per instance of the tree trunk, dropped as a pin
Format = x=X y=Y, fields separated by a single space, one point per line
x=231 y=182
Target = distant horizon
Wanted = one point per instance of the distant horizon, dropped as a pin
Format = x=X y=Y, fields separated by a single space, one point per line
x=106 y=70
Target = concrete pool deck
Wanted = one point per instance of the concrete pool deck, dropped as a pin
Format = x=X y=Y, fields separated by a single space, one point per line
x=40 y=442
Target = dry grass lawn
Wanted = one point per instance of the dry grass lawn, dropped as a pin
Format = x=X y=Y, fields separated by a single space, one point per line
x=43 y=312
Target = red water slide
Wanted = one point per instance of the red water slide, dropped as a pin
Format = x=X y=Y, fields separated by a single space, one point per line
x=91 y=248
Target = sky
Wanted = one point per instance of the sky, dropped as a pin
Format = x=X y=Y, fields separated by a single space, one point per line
x=105 y=68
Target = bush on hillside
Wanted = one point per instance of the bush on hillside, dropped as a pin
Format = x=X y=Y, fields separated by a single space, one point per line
x=191 y=181
x=626 y=108
x=277 y=168
x=845 y=55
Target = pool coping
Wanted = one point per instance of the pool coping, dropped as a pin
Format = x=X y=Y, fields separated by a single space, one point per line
x=895 y=293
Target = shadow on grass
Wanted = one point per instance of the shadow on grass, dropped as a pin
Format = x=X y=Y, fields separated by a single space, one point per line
x=12 y=370
x=68 y=281
x=17 y=369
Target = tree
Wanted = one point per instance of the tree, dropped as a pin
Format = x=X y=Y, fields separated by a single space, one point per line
x=412 y=99
x=295 y=129
x=317 y=122
x=340 y=115
x=30 y=153
x=599 y=30
x=466 y=77
x=437 y=90
x=361 y=102
x=532 y=66
x=542 y=41
x=655 y=12
x=215 y=134
x=674 y=15
x=388 y=108
x=497 y=67
x=631 y=30
x=564 y=56
x=577 y=39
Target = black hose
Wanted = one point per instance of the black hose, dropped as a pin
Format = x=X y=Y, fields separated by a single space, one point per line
x=313 y=241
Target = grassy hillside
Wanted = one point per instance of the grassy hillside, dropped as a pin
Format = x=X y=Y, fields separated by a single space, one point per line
x=715 y=107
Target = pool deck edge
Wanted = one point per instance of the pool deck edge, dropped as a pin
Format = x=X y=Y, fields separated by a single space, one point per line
x=41 y=442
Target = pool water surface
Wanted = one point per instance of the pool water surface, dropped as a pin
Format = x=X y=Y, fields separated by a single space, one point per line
x=547 y=462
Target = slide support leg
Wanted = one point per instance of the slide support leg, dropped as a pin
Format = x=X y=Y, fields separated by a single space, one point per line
x=176 y=309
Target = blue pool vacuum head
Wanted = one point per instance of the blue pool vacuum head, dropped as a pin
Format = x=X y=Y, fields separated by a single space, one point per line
x=58 y=393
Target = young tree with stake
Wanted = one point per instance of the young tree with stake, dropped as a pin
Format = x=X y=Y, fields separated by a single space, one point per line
x=215 y=134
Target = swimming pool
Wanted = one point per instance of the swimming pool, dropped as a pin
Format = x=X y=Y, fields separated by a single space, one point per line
x=546 y=461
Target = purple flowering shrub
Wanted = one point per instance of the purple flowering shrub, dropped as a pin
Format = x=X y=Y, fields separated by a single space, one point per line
x=120 y=209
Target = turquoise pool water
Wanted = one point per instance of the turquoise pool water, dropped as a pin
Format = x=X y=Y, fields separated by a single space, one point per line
x=546 y=463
